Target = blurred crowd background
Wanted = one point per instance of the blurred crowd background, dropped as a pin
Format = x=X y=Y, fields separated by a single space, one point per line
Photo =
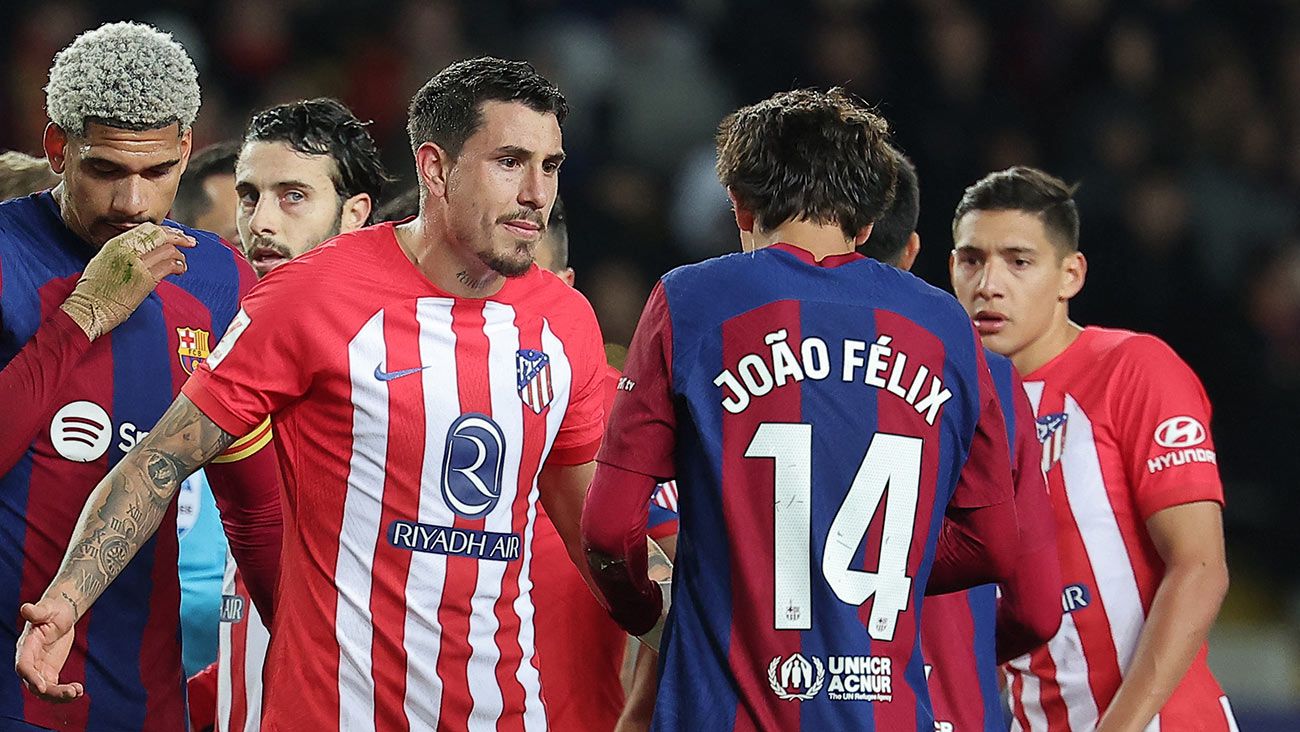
x=1179 y=119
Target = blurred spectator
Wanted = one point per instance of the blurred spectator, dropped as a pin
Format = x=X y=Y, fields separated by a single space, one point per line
x=21 y=174
x=206 y=198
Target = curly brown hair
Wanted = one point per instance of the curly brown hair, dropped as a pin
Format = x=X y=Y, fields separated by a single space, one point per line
x=809 y=155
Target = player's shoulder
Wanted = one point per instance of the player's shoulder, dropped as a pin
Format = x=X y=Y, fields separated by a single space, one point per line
x=25 y=216
x=1128 y=350
x=543 y=293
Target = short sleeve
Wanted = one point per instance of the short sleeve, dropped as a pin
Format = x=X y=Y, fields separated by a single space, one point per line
x=261 y=364
x=641 y=436
x=584 y=419
x=1161 y=417
x=985 y=479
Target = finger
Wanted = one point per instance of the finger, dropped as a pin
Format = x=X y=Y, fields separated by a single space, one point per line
x=180 y=238
x=63 y=693
x=35 y=613
x=26 y=665
x=167 y=260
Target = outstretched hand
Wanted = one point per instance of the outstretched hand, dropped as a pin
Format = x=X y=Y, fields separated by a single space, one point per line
x=43 y=649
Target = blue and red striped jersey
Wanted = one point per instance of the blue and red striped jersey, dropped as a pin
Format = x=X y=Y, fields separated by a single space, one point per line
x=820 y=415
x=127 y=647
x=957 y=630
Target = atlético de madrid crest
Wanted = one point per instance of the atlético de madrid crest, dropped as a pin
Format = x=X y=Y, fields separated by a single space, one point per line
x=534 y=378
x=1051 y=432
x=192 y=347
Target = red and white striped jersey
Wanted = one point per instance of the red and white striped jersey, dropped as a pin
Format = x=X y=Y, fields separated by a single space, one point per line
x=1124 y=426
x=410 y=438
x=242 y=642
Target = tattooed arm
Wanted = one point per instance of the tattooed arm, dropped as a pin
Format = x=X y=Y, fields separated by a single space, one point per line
x=121 y=514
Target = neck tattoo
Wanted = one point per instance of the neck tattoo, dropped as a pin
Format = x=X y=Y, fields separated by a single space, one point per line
x=470 y=282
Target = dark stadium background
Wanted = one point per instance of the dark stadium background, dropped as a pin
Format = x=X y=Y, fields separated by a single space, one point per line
x=1180 y=120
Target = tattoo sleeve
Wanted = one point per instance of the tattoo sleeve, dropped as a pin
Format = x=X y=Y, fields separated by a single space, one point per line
x=126 y=507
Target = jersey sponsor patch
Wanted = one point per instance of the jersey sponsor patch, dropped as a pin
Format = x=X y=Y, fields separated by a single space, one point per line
x=534 y=377
x=81 y=431
x=1178 y=432
x=473 y=464
x=192 y=347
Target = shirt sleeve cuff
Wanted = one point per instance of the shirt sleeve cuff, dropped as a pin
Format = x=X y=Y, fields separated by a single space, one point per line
x=574 y=455
x=1180 y=495
x=215 y=410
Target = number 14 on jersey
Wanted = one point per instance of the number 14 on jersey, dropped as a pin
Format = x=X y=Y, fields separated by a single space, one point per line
x=892 y=462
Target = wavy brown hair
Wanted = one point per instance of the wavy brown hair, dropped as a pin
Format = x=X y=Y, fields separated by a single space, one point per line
x=809 y=155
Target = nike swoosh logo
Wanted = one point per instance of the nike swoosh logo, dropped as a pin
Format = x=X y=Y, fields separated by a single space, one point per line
x=383 y=375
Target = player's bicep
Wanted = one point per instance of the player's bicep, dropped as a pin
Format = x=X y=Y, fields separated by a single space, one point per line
x=1188 y=535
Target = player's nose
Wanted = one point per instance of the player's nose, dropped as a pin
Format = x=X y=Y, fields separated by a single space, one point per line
x=130 y=198
x=989 y=284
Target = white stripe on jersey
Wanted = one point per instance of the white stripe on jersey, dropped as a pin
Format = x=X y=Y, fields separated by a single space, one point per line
x=1227 y=714
x=561 y=378
x=1090 y=504
x=428 y=573
x=256 y=640
x=225 y=693
x=353 y=623
x=1153 y=725
x=1066 y=650
x=503 y=344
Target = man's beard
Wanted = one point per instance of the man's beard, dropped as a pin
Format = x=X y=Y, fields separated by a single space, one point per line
x=506 y=265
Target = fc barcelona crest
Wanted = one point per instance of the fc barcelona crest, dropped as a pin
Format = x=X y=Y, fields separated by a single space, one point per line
x=192 y=347
x=534 y=378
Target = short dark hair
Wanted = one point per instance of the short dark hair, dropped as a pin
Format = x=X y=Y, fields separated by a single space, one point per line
x=890 y=234
x=557 y=234
x=325 y=126
x=1030 y=190
x=448 y=109
x=192 y=200
x=808 y=155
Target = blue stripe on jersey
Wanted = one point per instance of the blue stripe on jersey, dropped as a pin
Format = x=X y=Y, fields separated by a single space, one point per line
x=1002 y=371
x=983 y=600
x=141 y=361
x=13 y=530
x=218 y=290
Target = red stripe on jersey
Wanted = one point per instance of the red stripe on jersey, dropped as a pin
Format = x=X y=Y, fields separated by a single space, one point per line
x=1017 y=705
x=748 y=495
x=462 y=572
x=508 y=621
x=391 y=565
x=896 y=416
x=49 y=504
x=1049 y=693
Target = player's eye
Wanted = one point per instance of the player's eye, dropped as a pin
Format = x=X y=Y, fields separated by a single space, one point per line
x=248 y=199
x=294 y=197
x=550 y=167
x=509 y=162
x=1021 y=263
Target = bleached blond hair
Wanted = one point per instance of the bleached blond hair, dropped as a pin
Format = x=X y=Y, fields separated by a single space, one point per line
x=126 y=75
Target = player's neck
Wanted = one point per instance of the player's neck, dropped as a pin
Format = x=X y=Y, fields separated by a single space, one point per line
x=442 y=265
x=820 y=240
x=1047 y=347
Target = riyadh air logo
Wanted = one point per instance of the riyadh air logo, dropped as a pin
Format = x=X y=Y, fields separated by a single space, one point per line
x=795 y=679
x=1051 y=432
x=472 y=465
x=533 y=369
x=1179 y=432
x=81 y=431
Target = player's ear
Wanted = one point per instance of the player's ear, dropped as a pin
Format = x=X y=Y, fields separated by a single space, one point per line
x=1074 y=270
x=568 y=275
x=863 y=234
x=744 y=217
x=432 y=164
x=55 y=144
x=355 y=213
x=187 y=146
x=910 y=250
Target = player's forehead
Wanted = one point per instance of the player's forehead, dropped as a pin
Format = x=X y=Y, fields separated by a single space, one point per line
x=130 y=149
x=1003 y=230
x=267 y=164
x=516 y=125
